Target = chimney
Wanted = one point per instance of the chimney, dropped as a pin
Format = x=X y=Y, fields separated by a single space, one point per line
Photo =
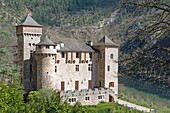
x=62 y=44
x=90 y=43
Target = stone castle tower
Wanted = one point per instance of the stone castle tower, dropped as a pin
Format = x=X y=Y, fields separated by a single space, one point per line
x=28 y=33
x=105 y=69
x=45 y=56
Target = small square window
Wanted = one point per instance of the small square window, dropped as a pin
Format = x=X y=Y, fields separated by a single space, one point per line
x=29 y=44
x=87 y=98
x=77 y=67
x=101 y=97
x=111 y=56
x=71 y=100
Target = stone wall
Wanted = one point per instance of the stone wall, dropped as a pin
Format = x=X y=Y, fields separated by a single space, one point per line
x=88 y=96
x=111 y=74
x=66 y=71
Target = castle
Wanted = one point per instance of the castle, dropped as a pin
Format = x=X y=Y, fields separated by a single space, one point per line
x=80 y=71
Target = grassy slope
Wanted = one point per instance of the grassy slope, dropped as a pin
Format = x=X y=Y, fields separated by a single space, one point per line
x=109 y=108
x=145 y=94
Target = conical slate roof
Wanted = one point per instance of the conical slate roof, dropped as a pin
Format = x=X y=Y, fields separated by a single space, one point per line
x=46 y=41
x=29 y=21
x=106 y=41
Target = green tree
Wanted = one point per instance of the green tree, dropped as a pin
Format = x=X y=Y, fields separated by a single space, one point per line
x=11 y=99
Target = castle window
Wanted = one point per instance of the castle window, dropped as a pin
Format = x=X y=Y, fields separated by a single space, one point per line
x=108 y=68
x=33 y=44
x=111 y=84
x=89 y=67
x=87 y=98
x=30 y=67
x=47 y=46
x=77 y=67
x=29 y=44
x=101 y=97
x=62 y=55
x=55 y=68
x=31 y=37
x=90 y=55
x=54 y=47
x=71 y=100
x=31 y=53
x=77 y=55
x=111 y=56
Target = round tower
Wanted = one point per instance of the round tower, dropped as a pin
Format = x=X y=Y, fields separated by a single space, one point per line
x=45 y=62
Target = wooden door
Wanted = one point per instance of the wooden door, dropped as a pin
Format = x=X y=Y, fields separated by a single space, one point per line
x=76 y=85
x=62 y=85
x=111 y=99
x=89 y=84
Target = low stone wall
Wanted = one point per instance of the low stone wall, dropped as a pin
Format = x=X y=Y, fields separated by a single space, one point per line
x=88 y=96
x=134 y=106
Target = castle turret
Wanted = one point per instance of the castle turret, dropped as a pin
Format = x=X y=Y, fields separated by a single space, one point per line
x=106 y=71
x=28 y=33
x=45 y=62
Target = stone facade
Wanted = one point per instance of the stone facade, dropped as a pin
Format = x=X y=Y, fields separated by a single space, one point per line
x=73 y=68
x=88 y=96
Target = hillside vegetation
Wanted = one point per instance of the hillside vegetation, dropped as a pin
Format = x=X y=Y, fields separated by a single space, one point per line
x=64 y=12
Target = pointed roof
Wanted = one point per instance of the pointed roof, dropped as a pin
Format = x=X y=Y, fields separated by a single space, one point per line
x=29 y=21
x=46 y=41
x=107 y=42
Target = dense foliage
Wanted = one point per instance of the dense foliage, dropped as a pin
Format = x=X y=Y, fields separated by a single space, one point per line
x=146 y=52
x=47 y=101
x=64 y=12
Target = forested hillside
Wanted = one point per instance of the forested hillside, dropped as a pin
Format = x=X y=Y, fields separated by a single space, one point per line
x=65 y=12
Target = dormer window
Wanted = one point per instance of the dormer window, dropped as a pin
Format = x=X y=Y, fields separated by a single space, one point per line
x=47 y=46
